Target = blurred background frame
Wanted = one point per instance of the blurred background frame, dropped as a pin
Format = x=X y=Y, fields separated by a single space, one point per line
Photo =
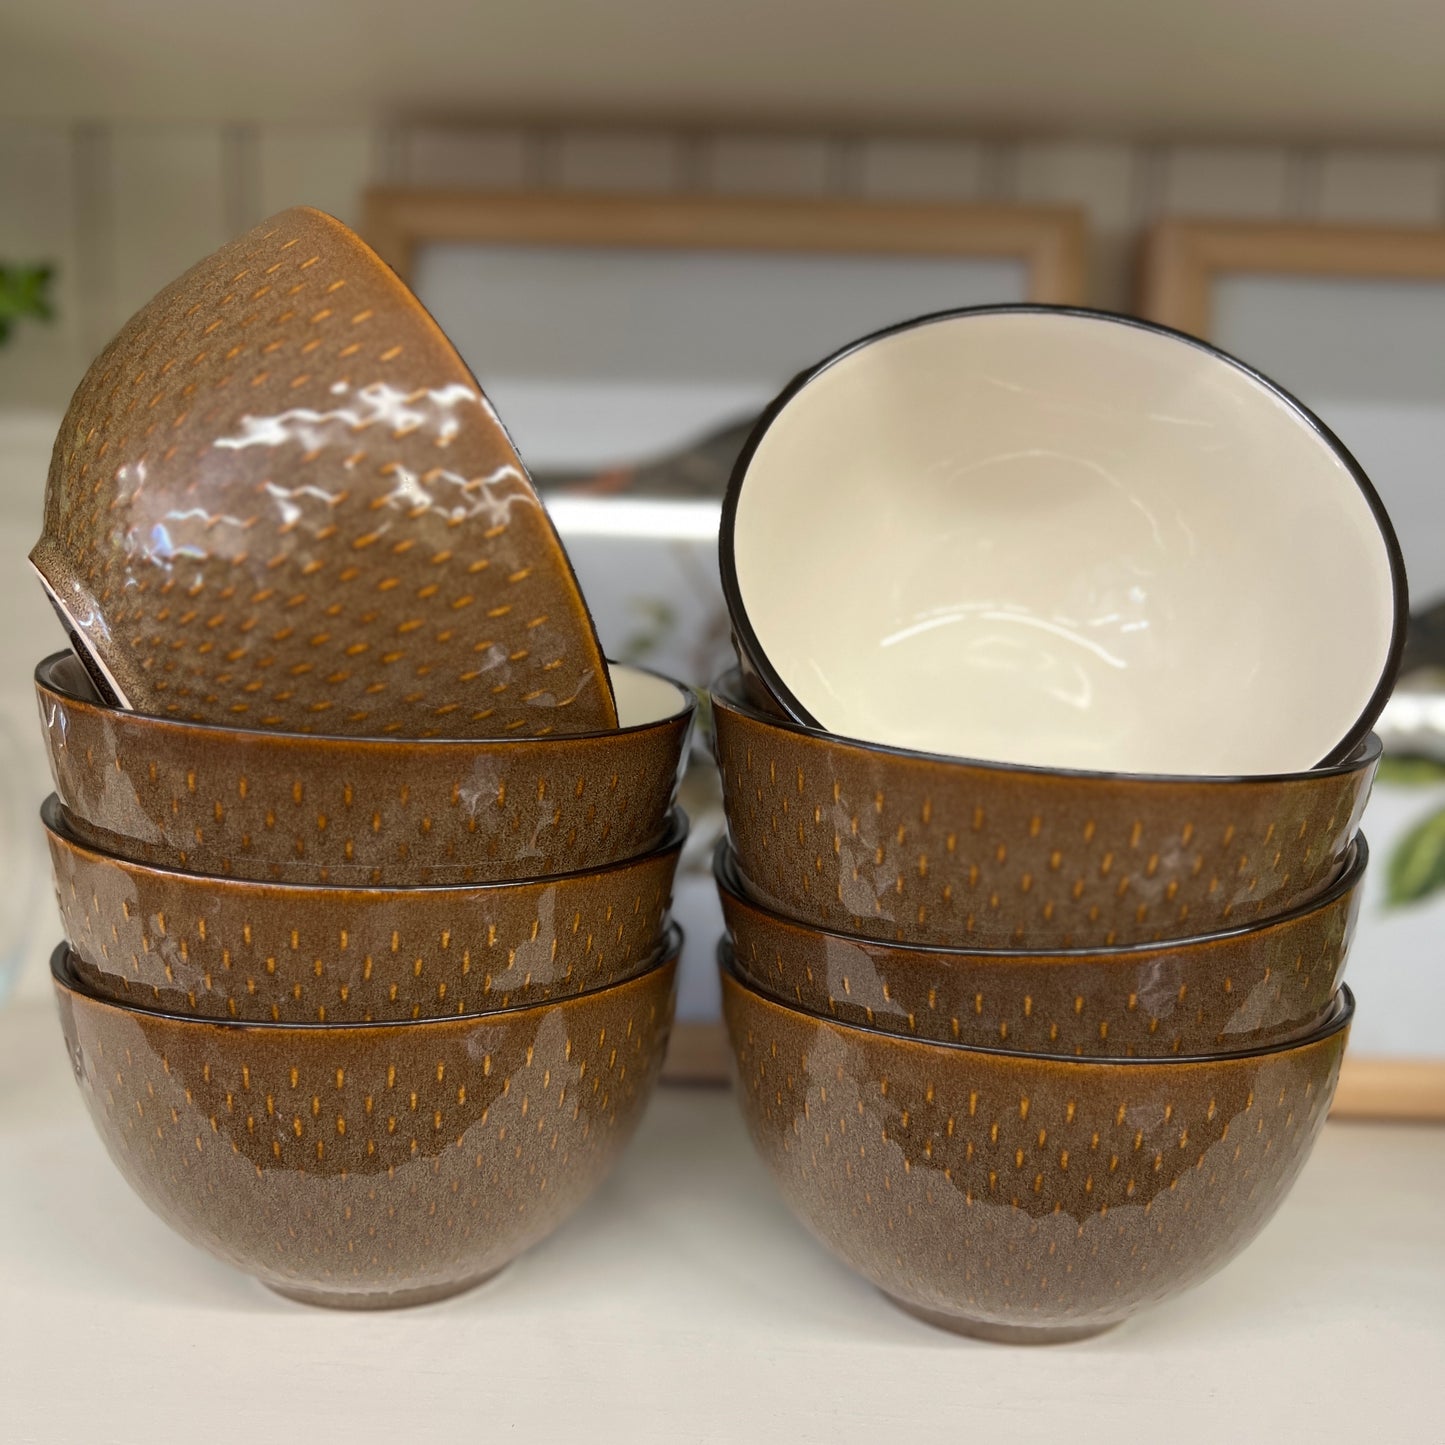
x=1350 y=318
x=630 y=341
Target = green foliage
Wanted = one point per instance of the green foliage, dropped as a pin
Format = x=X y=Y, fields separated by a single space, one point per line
x=24 y=293
x=1417 y=864
x=1410 y=772
x=1415 y=869
x=658 y=622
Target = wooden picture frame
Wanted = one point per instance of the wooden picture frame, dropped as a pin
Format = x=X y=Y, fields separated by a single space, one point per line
x=1184 y=265
x=1048 y=241
x=1183 y=260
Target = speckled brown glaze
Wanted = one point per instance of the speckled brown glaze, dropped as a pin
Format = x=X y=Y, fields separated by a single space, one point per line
x=1223 y=992
x=1017 y=1196
x=302 y=809
x=919 y=849
x=231 y=948
x=367 y=1166
x=280 y=499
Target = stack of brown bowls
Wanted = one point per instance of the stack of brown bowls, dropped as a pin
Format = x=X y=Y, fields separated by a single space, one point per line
x=1035 y=1021
x=364 y=854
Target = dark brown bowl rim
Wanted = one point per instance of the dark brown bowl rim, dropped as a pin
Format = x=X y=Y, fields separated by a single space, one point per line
x=52 y=809
x=45 y=682
x=1333 y=1019
x=667 y=953
x=728 y=874
x=747 y=638
x=1365 y=753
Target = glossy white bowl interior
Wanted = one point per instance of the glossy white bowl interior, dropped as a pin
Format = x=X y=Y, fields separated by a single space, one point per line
x=1067 y=541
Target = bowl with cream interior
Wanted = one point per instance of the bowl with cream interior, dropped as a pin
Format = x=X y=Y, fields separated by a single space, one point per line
x=1064 y=539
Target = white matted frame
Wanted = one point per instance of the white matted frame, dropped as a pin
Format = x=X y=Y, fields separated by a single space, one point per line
x=745 y=292
x=1050 y=240
x=599 y=316
x=1352 y=319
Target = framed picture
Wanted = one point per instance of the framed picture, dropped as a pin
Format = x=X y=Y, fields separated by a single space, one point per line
x=1352 y=321
x=629 y=343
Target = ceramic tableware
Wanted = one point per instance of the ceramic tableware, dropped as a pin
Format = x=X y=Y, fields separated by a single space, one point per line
x=297 y=808
x=1017 y=1196
x=1066 y=539
x=367 y=1166
x=903 y=846
x=231 y=948
x=279 y=499
x=1229 y=992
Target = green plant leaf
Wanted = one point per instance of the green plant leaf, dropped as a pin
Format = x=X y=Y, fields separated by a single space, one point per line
x=1417 y=863
x=1410 y=772
x=659 y=620
x=24 y=293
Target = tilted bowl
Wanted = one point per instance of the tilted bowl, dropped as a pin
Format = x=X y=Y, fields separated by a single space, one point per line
x=1017 y=1196
x=1229 y=992
x=1062 y=538
x=919 y=849
x=233 y=948
x=280 y=499
x=363 y=1165
x=396 y=811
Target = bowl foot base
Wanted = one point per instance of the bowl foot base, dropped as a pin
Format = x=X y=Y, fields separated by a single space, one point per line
x=393 y=1299
x=1002 y=1334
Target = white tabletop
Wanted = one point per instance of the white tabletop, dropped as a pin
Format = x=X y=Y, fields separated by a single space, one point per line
x=683 y=1304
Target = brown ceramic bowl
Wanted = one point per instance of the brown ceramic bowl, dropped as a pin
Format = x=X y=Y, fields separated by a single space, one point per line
x=399 y=811
x=232 y=948
x=920 y=849
x=1229 y=992
x=279 y=499
x=1018 y=1196
x=369 y=1165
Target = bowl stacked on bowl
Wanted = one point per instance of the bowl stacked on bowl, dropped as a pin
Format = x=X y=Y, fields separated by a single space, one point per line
x=363 y=852
x=1061 y=640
